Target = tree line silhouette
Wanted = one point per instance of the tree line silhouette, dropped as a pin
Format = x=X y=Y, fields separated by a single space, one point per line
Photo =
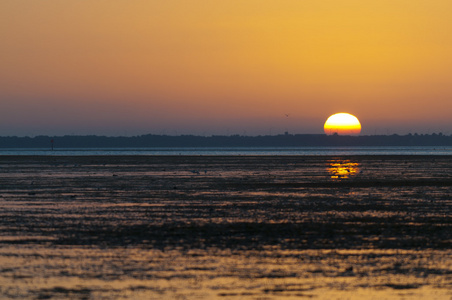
x=282 y=140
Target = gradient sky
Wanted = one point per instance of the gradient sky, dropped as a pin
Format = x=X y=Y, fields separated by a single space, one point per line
x=129 y=67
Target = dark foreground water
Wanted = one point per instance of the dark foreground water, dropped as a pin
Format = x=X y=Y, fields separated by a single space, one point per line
x=226 y=227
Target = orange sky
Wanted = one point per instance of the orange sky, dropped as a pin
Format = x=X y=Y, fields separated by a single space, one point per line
x=126 y=67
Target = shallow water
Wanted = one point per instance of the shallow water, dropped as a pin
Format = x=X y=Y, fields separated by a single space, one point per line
x=233 y=151
x=352 y=227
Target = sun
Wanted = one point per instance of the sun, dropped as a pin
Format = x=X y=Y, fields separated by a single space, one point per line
x=342 y=124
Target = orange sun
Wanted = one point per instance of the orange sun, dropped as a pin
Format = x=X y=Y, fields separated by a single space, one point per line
x=342 y=124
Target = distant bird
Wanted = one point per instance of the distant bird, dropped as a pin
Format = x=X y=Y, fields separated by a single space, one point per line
x=287 y=115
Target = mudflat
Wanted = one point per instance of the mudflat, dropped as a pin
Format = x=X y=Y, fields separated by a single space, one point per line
x=225 y=227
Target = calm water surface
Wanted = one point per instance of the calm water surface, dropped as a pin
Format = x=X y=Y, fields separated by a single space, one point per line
x=309 y=151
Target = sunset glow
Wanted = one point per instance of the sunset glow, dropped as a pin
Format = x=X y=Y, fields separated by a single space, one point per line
x=223 y=67
x=342 y=124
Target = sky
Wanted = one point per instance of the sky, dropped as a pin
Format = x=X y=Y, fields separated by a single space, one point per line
x=255 y=67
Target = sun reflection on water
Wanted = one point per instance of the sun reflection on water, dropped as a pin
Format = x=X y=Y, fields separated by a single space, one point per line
x=342 y=169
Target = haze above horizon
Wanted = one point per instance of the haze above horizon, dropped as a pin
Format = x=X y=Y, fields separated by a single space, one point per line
x=223 y=67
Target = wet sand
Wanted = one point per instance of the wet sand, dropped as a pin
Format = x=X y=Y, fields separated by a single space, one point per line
x=226 y=227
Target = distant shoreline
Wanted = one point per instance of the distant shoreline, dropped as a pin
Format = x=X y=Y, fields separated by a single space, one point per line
x=283 y=140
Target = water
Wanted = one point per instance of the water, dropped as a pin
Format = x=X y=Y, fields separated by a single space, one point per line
x=225 y=227
x=305 y=151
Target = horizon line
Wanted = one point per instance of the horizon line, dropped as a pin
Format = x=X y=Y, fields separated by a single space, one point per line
x=223 y=135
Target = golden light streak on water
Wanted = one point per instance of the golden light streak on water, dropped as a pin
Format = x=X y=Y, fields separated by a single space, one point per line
x=342 y=169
